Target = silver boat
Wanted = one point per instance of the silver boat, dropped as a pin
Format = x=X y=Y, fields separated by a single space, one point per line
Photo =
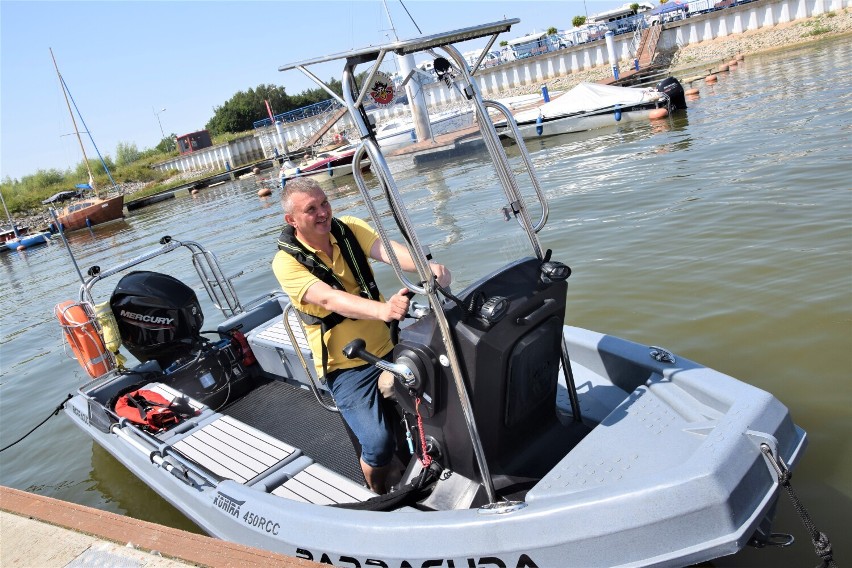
x=523 y=442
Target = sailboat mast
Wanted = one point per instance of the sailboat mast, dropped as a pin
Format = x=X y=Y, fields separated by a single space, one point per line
x=390 y=20
x=11 y=223
x=76 y=130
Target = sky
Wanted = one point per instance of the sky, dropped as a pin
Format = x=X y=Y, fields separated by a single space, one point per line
x=126 y=61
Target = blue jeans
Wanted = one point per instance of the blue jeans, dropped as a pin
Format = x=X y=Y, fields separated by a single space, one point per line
x=357 y=396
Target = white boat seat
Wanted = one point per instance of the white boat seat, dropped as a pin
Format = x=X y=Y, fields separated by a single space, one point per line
x=274 y=351
x=320 y=486
x=234 y=450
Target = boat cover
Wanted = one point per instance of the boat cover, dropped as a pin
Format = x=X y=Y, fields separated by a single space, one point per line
x=589 y=97
x=63 y=196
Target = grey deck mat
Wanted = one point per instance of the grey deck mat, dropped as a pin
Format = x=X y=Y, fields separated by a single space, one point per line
x=292 y=414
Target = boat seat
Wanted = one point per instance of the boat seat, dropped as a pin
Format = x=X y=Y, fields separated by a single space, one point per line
x=233 y=450
x=276 y=354
x=320 y=486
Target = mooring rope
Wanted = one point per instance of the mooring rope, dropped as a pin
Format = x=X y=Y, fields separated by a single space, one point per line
x=821 y=542
x=54 y=413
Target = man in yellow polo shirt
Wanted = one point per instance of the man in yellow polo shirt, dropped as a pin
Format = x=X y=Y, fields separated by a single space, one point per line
x=360 y=312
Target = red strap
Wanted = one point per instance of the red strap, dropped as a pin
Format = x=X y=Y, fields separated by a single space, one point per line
x=426 y=459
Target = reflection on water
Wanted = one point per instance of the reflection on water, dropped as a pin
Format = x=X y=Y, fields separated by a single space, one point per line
x=721 y=234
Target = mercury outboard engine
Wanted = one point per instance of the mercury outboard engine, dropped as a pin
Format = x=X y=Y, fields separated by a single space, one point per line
x=672 y=88
x=159 y=319
x=158 y=316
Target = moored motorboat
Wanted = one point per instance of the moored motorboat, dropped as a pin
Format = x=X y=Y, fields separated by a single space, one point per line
x=27 y=241
x=522 y=442
x=589 y=106
x=19 y=238
x=324 y=165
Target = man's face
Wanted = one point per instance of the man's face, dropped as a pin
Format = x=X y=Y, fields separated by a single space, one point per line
x=311 y=214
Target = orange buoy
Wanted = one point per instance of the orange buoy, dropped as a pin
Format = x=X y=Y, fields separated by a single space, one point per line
x=691 y=92
x=194 y=192
x=723 y=68
x=658 y=113
x=21 y=247
x=83 y=337
x=264 y=192
x=732 y=63
x=255 y=170
x=740 y=57
x=710 y=79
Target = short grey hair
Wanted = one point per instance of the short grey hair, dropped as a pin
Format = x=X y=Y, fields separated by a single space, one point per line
x=297 y=185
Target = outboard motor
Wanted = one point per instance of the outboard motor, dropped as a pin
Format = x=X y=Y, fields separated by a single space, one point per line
x=159 y=319
x=158 y=316
x=672 y=88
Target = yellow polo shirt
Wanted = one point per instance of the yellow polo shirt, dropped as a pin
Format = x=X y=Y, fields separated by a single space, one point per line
x=295 y=280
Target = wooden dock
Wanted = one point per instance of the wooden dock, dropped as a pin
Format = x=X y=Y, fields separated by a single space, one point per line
x=455 y=143
x=202 y=183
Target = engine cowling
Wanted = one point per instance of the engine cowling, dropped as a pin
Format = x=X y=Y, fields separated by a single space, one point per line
x=158 y=316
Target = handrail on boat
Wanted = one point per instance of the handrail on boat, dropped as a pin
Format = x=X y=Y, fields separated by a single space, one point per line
x=286 y=315
x=219 y=288
x=525 y=155
x=378 y=158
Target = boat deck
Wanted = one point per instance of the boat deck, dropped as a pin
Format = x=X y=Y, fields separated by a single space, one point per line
x=292 y=414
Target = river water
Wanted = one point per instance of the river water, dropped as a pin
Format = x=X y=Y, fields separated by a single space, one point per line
x=722 y=235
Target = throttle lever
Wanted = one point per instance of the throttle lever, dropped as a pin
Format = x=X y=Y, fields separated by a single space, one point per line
x=357 y=348
x=394 y=324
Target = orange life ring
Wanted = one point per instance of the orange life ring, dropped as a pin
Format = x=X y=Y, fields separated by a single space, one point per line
x=83 y=337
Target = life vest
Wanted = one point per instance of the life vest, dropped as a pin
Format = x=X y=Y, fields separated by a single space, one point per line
x=151 y=410
x=354 y=257
x=84 y=338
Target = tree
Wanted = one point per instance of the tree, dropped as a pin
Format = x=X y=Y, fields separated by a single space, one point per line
x=126 y=153
x=504 y=43
x=245 y=108
x=635 y=7
x=240 y=112
x=168 y=144
x=578 y=21
x=552 y=31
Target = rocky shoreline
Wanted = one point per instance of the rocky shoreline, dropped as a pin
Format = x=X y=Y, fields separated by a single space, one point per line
x=782 y=36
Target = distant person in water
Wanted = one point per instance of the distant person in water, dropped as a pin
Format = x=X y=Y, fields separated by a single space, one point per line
x=322 y=266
